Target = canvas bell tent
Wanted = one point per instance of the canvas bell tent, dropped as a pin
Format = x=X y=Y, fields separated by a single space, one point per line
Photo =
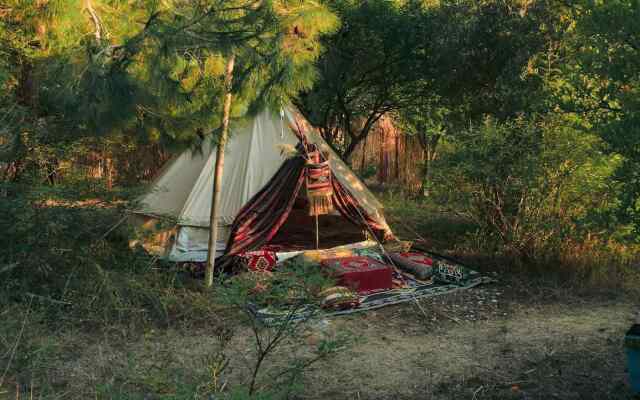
x=265 y=194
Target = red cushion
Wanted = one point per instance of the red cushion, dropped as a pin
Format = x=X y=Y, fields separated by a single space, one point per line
x=260 y=260
x=361 y=273
x=419 y=258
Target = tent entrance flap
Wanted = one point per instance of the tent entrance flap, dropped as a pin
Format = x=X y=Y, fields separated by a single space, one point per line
x=263 y=216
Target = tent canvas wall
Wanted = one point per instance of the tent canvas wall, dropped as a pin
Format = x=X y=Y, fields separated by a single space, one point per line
x=180 y=197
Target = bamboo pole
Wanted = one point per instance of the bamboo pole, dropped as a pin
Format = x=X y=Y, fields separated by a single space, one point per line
x=217 y=177
x=317 y=234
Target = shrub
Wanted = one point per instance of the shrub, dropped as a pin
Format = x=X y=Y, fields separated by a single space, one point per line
x=67 y=248
x=527 y=184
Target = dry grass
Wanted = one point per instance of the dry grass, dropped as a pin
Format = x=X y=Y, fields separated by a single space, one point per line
x=519 y=347
x=533 y=335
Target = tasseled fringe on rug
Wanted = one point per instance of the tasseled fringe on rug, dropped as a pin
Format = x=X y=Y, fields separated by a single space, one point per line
x=320 y=204
x=319 y=187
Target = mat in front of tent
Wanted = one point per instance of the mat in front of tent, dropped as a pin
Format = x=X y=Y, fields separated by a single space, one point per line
x=414 y=290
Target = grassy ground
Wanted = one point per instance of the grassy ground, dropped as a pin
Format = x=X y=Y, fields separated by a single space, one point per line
x=523 y=337
x=492 y=342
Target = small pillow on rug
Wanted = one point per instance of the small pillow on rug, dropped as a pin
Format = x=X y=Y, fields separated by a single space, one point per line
x=259 y=261
x=397 y=246
x=316 y=256
x=338 y=298
x=418 y=264
x=448 y=272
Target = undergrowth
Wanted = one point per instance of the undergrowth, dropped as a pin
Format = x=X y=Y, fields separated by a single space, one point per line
x=589 y=265
x=66 y=269
x=69 y=283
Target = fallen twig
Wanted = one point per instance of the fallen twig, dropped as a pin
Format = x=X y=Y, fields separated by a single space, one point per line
x=440 y=313
x=15 y=346
x=478 y=390
x=49 y=299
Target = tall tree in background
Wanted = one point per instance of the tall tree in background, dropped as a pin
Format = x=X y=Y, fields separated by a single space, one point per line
x=157 y=70
x=417 y=57
x=274 y=45
x=365 y=73
x=428 y=124
x=606 y=73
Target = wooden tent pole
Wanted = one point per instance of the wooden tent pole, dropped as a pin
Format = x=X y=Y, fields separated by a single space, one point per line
x=317 y=234
x=217 y=175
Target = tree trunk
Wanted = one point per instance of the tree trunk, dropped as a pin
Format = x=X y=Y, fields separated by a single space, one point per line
x=429 y=150
x=107 y=170
x=397 y=160
x=364 y=154
x=426 y=174
x=217 y=177
x=382 y=165
x=354 y=139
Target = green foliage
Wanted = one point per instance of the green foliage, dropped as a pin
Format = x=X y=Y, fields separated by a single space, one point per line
x=292 y=290
x=607 y=77
x=65 y=249
x=528 y=185
x=365 y=73
x=528 y=110
x=368 y=172
x=278 y=358
x=148 y=70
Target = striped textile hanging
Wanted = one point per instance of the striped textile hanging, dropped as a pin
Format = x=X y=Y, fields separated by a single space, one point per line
x=319 y=185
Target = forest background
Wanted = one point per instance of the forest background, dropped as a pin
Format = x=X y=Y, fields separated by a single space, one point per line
x=504 y=132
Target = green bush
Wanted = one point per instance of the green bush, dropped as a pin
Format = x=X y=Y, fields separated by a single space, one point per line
x=528 y=185
x=68 y=250
x=369 y=171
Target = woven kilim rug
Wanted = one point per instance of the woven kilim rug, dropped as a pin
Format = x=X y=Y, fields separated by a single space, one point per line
x=414 y=290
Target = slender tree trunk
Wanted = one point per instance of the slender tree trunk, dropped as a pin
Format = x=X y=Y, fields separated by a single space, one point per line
x=381 y=160
x=107 y=169
x=354 y=139
x=364 y=154
x=429 y=150
x=426 y=174
x=109 y=172
x=397 y=160
x=217 y=177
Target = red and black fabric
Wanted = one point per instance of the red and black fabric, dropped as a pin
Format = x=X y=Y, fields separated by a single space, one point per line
x=259 y=260
x=319 y=179
x=318 y=183
x=261 y=218
x=348 y=206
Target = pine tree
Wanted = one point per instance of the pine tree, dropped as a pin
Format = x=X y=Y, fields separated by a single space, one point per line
x=274 y=45
x=156 y=70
